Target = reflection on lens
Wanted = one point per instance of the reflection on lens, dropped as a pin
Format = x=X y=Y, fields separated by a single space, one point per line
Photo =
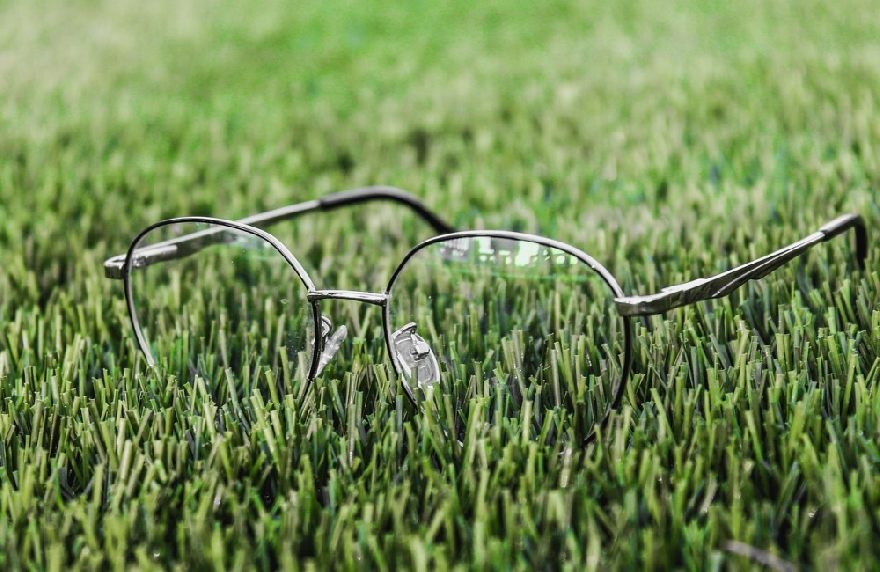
x=208 y=297
x=514 y=321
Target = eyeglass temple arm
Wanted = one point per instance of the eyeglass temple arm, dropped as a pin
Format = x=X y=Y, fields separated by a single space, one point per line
x=723 y=284
x=189 y=244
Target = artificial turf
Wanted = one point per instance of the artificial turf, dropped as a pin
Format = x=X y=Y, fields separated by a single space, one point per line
x=669 y=141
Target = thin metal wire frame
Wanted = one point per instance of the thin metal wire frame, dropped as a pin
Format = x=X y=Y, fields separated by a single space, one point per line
x=120 y=267
x=314 y=296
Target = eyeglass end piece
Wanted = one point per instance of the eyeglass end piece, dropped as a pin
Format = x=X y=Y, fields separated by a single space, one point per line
x=630 y=306
x=114 y=268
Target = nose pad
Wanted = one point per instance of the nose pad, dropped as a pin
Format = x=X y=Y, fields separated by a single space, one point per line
x=331 y=344
x=414 y=356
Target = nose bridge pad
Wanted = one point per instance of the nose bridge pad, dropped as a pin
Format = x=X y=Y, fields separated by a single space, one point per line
x=331 y=343
x=414 y=356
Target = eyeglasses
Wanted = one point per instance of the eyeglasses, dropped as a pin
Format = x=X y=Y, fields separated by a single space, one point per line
x=533 y=328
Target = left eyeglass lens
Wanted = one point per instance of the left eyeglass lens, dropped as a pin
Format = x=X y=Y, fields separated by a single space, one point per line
x=207 y=295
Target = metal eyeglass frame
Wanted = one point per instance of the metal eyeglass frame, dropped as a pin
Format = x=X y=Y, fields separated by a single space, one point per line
x=701 y=289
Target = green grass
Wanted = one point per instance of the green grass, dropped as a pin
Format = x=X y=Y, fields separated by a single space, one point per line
x=667 y=140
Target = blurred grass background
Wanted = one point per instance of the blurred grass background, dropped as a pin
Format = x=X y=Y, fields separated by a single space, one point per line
x=668 y=140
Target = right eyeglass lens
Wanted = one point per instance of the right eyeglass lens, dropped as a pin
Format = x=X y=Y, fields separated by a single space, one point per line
x=510 y=320
x=207 y=297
